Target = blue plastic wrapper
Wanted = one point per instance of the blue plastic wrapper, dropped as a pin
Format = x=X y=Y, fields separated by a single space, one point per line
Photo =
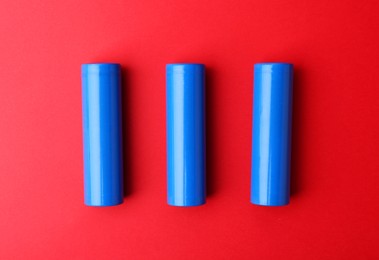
x=272 y=118
x=185 y=102
x=102 y=134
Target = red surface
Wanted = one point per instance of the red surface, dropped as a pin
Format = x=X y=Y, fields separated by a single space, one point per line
x=334 y=210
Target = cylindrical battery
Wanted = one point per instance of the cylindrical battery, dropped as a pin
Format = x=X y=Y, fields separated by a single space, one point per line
x=185 y=108
x=102 y=134
x=272 y=116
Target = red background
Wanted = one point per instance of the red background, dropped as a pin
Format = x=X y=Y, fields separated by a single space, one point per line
x=334 y=210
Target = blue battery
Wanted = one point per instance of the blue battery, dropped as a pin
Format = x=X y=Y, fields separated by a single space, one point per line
x=272 y=118
x=102 y=134
x=185 y=108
